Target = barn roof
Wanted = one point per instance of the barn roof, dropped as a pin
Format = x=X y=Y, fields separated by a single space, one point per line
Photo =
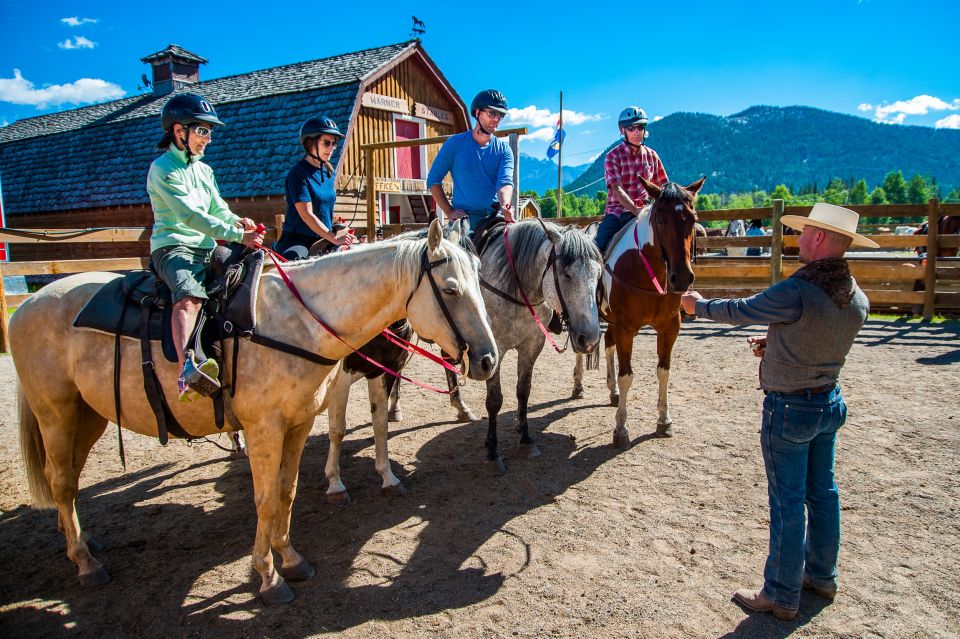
x=100 y=154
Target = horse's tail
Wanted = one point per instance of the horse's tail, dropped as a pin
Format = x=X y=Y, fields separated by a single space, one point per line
x=33 y=453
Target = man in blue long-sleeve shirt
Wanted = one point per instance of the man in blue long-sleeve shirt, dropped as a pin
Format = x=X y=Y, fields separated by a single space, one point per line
x=481 y=165
x=813 y=318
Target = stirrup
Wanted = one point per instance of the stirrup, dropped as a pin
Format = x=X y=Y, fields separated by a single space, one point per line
x=202 y=377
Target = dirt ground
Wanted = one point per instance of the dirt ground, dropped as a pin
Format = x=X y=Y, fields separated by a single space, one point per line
x=585 y=541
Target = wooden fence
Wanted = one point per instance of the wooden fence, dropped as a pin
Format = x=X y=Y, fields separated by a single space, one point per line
x=888 y=281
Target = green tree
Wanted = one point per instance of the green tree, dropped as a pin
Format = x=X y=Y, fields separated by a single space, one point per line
x=878 y=196
x=836 y=191
x=895 y=187
x=858 y=194
x=954 y=195
x=918 y=192
x=781 y=192
x=548 y=205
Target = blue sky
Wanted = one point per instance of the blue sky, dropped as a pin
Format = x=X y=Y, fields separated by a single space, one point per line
x=894 y=61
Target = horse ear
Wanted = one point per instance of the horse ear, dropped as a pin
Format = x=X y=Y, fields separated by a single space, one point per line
x=553 y=235
x=696 y=186
x=651 y=188
x=435 y=235
x=454 y=232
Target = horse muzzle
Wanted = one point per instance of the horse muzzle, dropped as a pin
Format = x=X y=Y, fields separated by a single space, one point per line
x=482 y=364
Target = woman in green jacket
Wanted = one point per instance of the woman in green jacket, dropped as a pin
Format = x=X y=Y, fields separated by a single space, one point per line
x=189 y=215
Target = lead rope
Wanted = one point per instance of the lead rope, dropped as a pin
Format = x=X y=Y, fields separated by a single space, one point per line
x=536 y=318
x=643 y=258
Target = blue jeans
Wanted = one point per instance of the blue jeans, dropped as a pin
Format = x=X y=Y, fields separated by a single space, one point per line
x=608 y=227
x=797 y=439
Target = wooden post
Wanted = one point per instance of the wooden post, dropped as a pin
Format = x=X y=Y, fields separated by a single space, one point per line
x=4 y=339
x=930 y=275
x=776 y=243
x=515 y=201
x=371 y=196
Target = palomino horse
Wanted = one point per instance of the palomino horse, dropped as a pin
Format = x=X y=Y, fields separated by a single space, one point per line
x=642 y=288
x=65 y=404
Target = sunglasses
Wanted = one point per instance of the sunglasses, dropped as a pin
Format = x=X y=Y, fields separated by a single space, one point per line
x=328 y=143
x=496 y=115
x=202 y=131
x=636 y=127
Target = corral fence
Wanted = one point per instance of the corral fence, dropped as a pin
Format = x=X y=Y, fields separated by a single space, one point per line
x=890 y=281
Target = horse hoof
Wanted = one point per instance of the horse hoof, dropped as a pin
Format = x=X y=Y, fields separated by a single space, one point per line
x=395 y=416
x=466 y=416
x=614 y=399
x=664 y=430
x=529 y=451
x=279 y=594
x=338 y=499
x=577 y=393
x=298 y=572
x=97 y=577
x=621 y=441
x=397 y=490
x=498 y=465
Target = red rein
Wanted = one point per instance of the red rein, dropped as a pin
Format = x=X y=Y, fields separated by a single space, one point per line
x=536 y=318
x=394 y=339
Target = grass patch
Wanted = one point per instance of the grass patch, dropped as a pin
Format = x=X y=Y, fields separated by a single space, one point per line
x=909 y=319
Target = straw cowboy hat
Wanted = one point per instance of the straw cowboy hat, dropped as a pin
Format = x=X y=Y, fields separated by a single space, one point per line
x=831 y=218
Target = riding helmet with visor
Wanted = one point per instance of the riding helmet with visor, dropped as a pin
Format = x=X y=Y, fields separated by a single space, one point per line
x=317 y=126
x=488 y=99
x=187 y=109
x=630 y=116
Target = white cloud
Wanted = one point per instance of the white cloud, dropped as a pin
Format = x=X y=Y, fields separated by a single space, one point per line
x=898 y=111
x=76 y=22
x=949 y=122
x=545 y=117
x=78 y=42
x=19 y=90
x=545 y=134
x=657 y=118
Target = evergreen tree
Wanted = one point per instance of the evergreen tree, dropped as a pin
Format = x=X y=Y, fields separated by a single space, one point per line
x=781 y=192
x=858 y=193
x=895 y=187
x=877 y=196
x=918 y=191
x=836 y=192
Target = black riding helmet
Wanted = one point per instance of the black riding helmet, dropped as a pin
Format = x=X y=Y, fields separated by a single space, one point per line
x=488 y=99
x=317 y=126
x=187 y=109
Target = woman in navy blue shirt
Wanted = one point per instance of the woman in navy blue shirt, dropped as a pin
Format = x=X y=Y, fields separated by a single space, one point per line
x=310 y=192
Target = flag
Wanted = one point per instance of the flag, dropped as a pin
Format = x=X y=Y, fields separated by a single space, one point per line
x=554 y=147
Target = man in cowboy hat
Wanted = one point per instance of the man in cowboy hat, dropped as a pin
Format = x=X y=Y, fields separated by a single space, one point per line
x=812 y=317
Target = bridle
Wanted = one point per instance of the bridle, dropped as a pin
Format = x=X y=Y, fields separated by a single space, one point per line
x=425 y=267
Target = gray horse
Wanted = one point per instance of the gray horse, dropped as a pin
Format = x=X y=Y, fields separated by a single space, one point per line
x=557 y=268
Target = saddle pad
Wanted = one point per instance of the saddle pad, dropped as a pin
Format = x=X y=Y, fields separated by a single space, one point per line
x=102 y=312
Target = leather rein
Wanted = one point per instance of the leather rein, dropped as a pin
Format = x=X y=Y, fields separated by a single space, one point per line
x=425 y=266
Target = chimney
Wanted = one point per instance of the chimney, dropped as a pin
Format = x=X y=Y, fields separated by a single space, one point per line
x=174 y=68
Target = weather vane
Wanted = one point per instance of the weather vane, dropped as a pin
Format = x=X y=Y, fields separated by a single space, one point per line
x=419 y=28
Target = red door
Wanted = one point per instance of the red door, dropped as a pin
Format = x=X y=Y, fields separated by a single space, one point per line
x=408 y=157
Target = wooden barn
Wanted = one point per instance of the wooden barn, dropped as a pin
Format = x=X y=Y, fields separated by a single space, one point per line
x=87 y=167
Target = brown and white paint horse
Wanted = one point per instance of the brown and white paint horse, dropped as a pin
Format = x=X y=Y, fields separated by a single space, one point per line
x=663 y=232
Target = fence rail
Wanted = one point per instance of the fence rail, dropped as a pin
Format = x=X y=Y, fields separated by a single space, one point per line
x=887 y=281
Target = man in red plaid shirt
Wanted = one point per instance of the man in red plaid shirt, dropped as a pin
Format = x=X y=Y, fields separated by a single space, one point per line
x=624 y=164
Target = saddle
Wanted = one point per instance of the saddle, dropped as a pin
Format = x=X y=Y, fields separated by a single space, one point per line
x=139 y=305
x=488 y=228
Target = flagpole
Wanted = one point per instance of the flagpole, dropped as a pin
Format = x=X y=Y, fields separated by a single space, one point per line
x=560 y=163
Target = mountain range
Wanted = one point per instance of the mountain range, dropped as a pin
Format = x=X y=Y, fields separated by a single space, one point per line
x=540 y=175
x=764 y=146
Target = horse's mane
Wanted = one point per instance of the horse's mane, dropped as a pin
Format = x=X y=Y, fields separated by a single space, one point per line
x=526 y=238
x=410 y=247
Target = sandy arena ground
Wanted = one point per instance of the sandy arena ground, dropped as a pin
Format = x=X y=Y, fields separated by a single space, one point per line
x=584 y=542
